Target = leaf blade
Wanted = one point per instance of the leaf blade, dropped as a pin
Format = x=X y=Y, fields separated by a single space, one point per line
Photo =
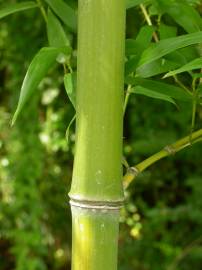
x=54 y=26
x=38 y=68
x=161 y=87
x=70 y=87
x=166 y=46
x=152 y=94
x=16 y=8
x=64 y=12
x=195 y=64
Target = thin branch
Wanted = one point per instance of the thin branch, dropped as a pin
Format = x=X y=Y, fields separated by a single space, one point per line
x=169 y=150
x=184 y=253
x=148 y=20
x=43 y=12
x=182 y=85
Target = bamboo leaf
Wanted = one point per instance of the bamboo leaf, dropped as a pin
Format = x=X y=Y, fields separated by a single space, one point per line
x=180 y=12
x=138 y=45
x=162 y=65
x=160 y=87
x=139 y=90
x=64 y=12
x=38 y=68
x=54 y=26
x=156 y=67
x=167 y=31
x=70 y=87
x=195 y=64
x=133 y=3
x=10 y=9
x=68 y=128
x=166 y=46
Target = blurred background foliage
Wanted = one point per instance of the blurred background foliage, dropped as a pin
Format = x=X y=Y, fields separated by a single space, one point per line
x=161 y=221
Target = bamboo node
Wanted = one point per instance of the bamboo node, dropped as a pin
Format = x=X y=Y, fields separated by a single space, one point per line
x=96 y=205
x=133 y=171
x=170 y=150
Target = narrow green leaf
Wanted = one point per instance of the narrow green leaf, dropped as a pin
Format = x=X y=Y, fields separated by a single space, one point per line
x=152 y=94
x=38 y=68
x=54 y=26
x=133 y=3
x=162 y=65
x=10 y=9
x=195 y=64
x=138 y=45
x=167 y=31
x=64 y=12
x=162 y=88
x=184 y=14
x=70 y=87
x=156 y=67
x=166 y=46
x=144 y=36
x=131 y=64
x=68 y=128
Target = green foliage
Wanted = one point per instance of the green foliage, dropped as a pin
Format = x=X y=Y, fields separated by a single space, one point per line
x=36 y=72
x=16 y=8
x=66 y=13
x=161 y=223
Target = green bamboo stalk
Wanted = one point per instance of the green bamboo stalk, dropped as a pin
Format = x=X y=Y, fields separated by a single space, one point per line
x=96 y=192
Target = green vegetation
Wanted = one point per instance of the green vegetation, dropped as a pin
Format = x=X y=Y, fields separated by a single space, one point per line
x=160 y=224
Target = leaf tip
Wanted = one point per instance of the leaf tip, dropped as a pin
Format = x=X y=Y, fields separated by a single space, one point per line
x=13 y=120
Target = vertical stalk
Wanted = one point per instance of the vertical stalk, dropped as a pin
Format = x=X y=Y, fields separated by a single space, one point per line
x=96 y=192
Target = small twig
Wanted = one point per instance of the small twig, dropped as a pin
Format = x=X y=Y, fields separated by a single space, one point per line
x=132 y=172
x=184 y=253
x=148 y=20
x=43 y=12
x=194 y=107
x=182 y=85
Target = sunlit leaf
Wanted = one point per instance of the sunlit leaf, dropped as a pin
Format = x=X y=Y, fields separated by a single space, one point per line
x=162 y=65
x=38 y=68
x=166 y=46
x=195 y=64
x=160 y=87
x=54 y=26
x=139 y=90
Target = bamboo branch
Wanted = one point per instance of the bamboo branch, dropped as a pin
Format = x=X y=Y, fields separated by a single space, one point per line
x=169 y=150
x=184 y=253
x=43 y=11
x=148 y=20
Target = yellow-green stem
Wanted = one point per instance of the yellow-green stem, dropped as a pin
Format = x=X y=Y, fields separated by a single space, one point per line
x=43 y=12
x=132 y=172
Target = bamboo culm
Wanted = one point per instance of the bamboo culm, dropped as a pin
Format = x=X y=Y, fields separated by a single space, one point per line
x=96 y=193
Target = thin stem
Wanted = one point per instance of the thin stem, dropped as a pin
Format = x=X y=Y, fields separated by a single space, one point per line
x=184 y=253
x=148 y=20
x=194 y=107
x=181 y=85
x=43 y=12
x=166 y=151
